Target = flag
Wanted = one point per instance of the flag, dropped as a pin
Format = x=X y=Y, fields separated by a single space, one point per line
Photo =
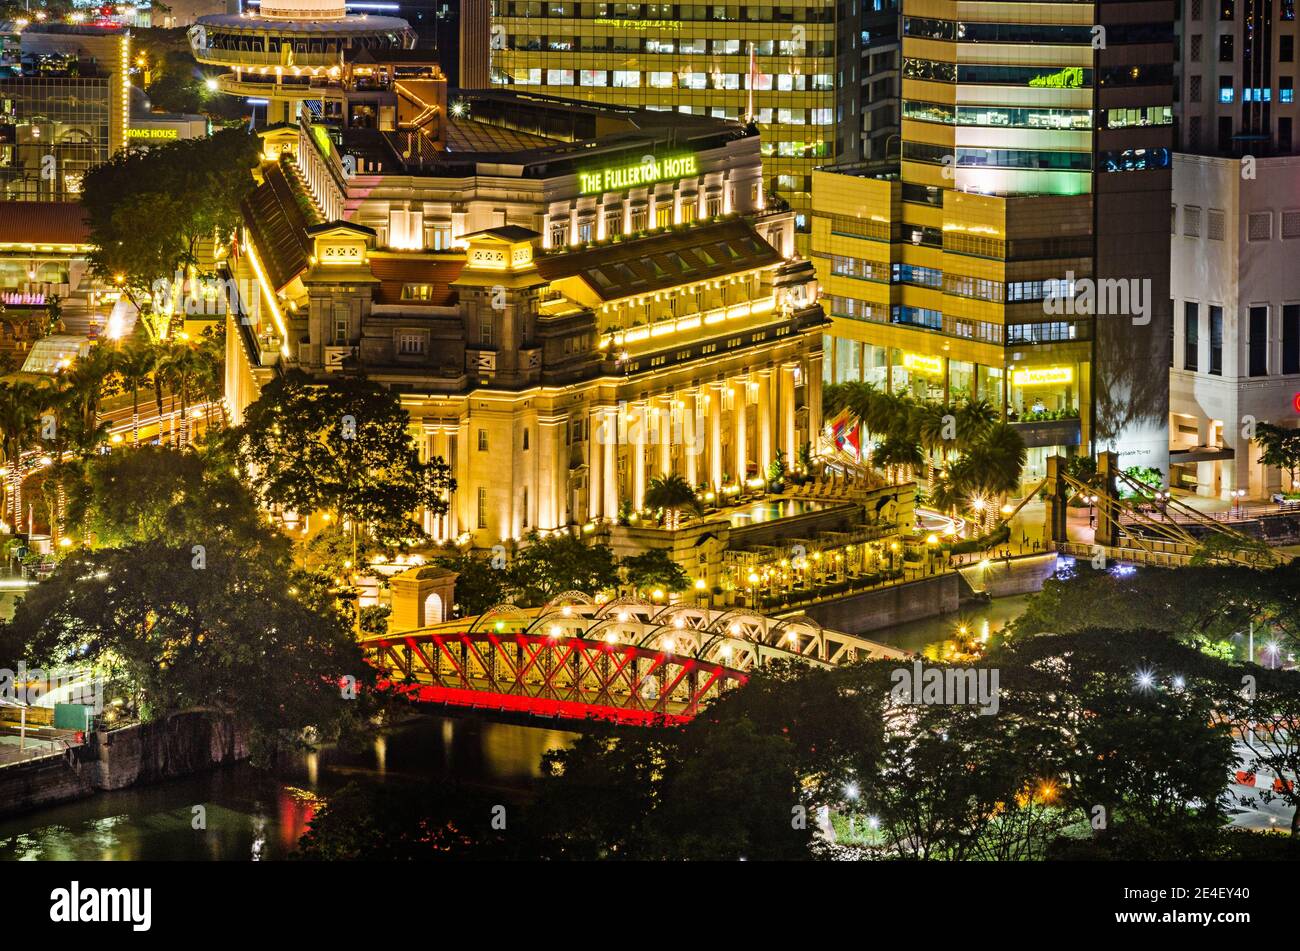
x=844 y=433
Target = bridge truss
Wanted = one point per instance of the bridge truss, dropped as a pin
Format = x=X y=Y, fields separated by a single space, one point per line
x=627 y=660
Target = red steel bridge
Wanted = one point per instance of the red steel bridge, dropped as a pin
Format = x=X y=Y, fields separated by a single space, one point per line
x=627 y=660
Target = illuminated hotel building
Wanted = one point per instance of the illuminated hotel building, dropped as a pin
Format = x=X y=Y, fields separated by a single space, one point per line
x=1032 y=160
x=570 y=298
x=687 y=58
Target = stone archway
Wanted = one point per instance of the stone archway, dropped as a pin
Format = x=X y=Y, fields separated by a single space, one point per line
x=421 y=596
x=432 y=611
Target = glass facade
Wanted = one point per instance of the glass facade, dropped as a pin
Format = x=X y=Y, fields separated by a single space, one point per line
x=692 y=58
x=52 y=129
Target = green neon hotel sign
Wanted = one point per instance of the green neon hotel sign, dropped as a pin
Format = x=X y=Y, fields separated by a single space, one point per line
x=1069 y=78
x=617 y=177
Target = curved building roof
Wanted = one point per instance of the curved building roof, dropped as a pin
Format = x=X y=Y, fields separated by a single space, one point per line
x=361 y=23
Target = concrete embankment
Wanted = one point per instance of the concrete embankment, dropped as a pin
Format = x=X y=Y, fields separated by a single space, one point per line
x=179 y=745
x=934 y=596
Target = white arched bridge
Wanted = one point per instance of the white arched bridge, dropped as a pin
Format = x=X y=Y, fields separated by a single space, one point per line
x=626 y=660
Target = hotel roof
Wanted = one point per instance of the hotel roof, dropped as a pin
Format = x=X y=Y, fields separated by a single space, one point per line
x=659 y=261
x=529 y=136
x=43 y=222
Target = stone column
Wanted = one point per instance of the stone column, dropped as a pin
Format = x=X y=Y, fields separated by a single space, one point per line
x=441 y=527
x=637 y=432
x=610 y=465
x=713 y=396
x=550 y=475
x=690 y=448
x=788 y=449
x=664 y=416
x=595 y=458
x=739 y=401
x=812 y=387
x=764 y=414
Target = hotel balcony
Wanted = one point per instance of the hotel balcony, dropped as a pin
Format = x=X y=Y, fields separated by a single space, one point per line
x=688 y=328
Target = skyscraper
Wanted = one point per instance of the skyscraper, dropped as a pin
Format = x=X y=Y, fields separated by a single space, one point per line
x=1015 y=254
x=1236 y=77
x=773 y=62
x=1236 y=198
x=867 y=56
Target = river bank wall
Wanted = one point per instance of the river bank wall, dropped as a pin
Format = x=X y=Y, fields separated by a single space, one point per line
x=179 y=745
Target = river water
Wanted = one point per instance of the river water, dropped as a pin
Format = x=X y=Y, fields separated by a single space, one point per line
x=252 y=814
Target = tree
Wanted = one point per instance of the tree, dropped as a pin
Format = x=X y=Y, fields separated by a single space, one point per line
x=135 y=366
x=834 y=720
x=898 y=455
x=83 y=387
x=149 y=210
x=1267 y=718
x=342 y=448
x=946 y=776
x=1281 y=448
x=1202 y=606
x=991 y=466
x=733 y=795
x=480 y=582
x=204 y=624
x=672 y=494
x=549 y=566
x=1133 y=727
x=182 y=364
x=654 y=569
x=620 y=770
x=154 y=493
x=21 y=405
x=974 y=420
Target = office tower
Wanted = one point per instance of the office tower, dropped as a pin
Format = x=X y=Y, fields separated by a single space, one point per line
x=1236 y=77
x=775 y=63
x=1236 y=218
x=867 y=56
x=1016 y=253
x=64 y=107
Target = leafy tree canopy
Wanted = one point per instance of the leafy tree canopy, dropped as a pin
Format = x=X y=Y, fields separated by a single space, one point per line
x=343 y=448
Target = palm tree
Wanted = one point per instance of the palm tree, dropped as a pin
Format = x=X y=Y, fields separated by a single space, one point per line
x=21 y=405
x=210 y=376
x=935 y=431
x=992 y=466
x=182 y=365
x=671 y=493
x=135 y=365
x=89 y=380
x=974 y=417
x=898 y=455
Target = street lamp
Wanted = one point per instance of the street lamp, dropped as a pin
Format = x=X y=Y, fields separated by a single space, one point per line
x=1237 y=496
x=1091 y=500
x=1250 y=649
x=1272 y=648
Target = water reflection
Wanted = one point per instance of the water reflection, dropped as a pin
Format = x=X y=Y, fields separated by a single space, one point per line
x=917 y=636
x=255 y=815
